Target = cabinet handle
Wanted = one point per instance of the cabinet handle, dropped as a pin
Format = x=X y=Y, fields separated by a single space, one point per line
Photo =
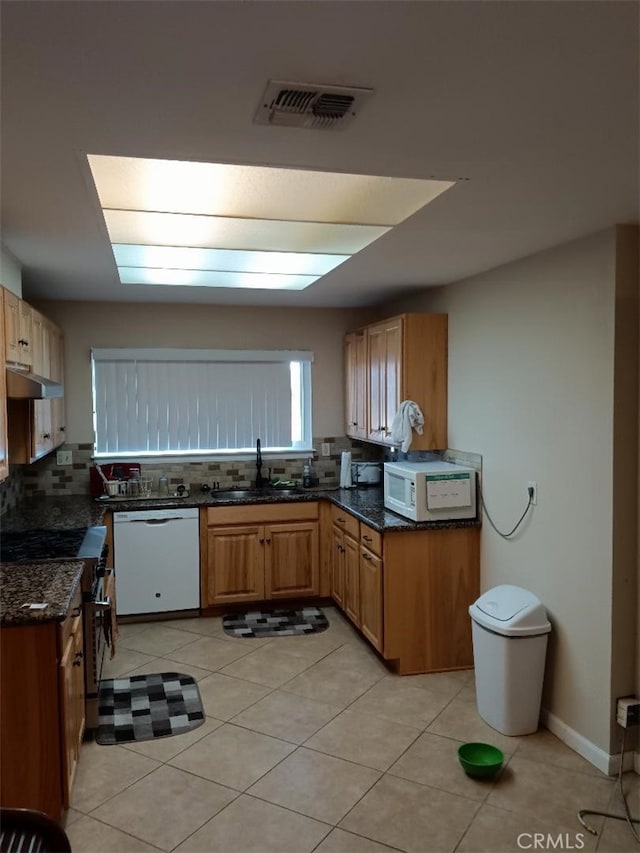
x=23 y=343
x=340 y=520
x=367 y=539
x=365 y=556
x=268 y=541
x=61 y=429
x=77 y=610
x=46 y=435
x=261 y=541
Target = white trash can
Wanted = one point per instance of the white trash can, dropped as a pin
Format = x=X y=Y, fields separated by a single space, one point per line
x=510 y=630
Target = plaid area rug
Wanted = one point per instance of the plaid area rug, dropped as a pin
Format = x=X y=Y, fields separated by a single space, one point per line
x=144 y=707
x=275 y=623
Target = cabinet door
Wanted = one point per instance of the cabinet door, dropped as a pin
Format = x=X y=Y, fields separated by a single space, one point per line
x=292 y=560
x=337 y=566
x=58 y=414
x=376 y=380
x=25 y=340
x=67 y=718
x=56 y=344
x=356 y=385
x=40 y=349
x=11 y=325
x=351 y=579
x=371 y=597
x=42 y=430
x=72 y=714
x=235 y=570
x=392 y=376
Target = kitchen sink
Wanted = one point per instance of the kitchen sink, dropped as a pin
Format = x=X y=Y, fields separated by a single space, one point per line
x=228 y=494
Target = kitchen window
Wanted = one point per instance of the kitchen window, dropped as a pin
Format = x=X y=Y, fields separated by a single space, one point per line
x=175 y=402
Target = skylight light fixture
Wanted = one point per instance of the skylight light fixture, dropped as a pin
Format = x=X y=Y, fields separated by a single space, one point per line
x=180 y=223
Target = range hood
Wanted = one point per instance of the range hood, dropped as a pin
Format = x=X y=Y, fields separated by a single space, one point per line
x=22 y=385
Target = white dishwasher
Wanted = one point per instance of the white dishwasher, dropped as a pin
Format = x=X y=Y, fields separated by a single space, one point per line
x=157 y=560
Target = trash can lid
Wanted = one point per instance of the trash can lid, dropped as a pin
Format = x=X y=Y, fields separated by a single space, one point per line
x=512 y=611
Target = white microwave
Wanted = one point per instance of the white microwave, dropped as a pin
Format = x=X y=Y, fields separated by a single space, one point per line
x=430 y=491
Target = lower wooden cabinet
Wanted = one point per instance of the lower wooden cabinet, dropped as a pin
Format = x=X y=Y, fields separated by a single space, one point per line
x=292 y=559
x=43 y=712
x=260 y=551
x=72 y=705
x=235 y=564
x=408 y=592
x=370 y=573
x=357 y=574
x=337 y=566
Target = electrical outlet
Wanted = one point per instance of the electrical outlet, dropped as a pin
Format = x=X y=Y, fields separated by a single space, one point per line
x=628 y=712
x=64 y=457
x=325 y=449
x=532 y=491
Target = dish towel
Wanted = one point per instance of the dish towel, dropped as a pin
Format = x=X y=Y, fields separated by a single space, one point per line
x=408 y=417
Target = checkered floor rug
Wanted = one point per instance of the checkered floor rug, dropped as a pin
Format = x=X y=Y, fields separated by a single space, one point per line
x=147 y=706
x=275 y=623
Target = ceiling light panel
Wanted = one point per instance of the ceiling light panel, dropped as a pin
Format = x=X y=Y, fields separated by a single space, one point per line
x=212 y=278
x=186 y=224
x=177 y=257
x=220 y=189
x=176 y=229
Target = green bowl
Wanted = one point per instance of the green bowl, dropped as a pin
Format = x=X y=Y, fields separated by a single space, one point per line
x=480 y=760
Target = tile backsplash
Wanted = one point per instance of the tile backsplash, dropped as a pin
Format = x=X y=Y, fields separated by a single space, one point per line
x=46 y=477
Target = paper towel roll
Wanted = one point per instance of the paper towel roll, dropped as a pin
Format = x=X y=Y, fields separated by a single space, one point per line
x=345 y=470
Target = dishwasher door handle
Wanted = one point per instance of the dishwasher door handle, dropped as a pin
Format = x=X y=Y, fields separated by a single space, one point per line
x=154 y=521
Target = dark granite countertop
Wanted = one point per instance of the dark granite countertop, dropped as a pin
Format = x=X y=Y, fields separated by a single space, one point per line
x=367 y=504
x=52 y=513
x=53 y=583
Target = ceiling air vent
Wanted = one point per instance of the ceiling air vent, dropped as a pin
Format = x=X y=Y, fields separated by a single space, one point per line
x=317 y=107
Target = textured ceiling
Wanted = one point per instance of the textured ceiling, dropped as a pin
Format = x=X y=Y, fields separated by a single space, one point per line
x=533 y=104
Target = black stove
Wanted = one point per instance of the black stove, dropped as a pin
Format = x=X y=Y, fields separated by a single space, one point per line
x=23 y=546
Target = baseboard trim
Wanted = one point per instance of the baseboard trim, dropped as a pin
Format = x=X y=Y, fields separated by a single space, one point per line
x=604 y=761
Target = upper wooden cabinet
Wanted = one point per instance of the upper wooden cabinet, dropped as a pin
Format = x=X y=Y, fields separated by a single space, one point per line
x=355 y=356
x=41 y=344
x=34 y=427
x=17 y=327
x=385 y=376
x=405 y=358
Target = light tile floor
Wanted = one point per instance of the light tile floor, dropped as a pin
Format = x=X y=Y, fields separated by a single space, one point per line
x=311 y=745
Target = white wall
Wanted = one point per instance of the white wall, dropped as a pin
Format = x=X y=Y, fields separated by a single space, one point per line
x=10 y=271
x=91 y=324
x=531 y=362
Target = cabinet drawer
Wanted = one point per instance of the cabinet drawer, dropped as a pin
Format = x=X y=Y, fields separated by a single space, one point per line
x=345 y=521
x=371 y=539
x=262 y=513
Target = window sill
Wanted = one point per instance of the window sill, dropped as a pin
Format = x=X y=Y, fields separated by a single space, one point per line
x=192 y=458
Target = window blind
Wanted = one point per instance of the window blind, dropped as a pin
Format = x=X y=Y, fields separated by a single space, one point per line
x=199 y=401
